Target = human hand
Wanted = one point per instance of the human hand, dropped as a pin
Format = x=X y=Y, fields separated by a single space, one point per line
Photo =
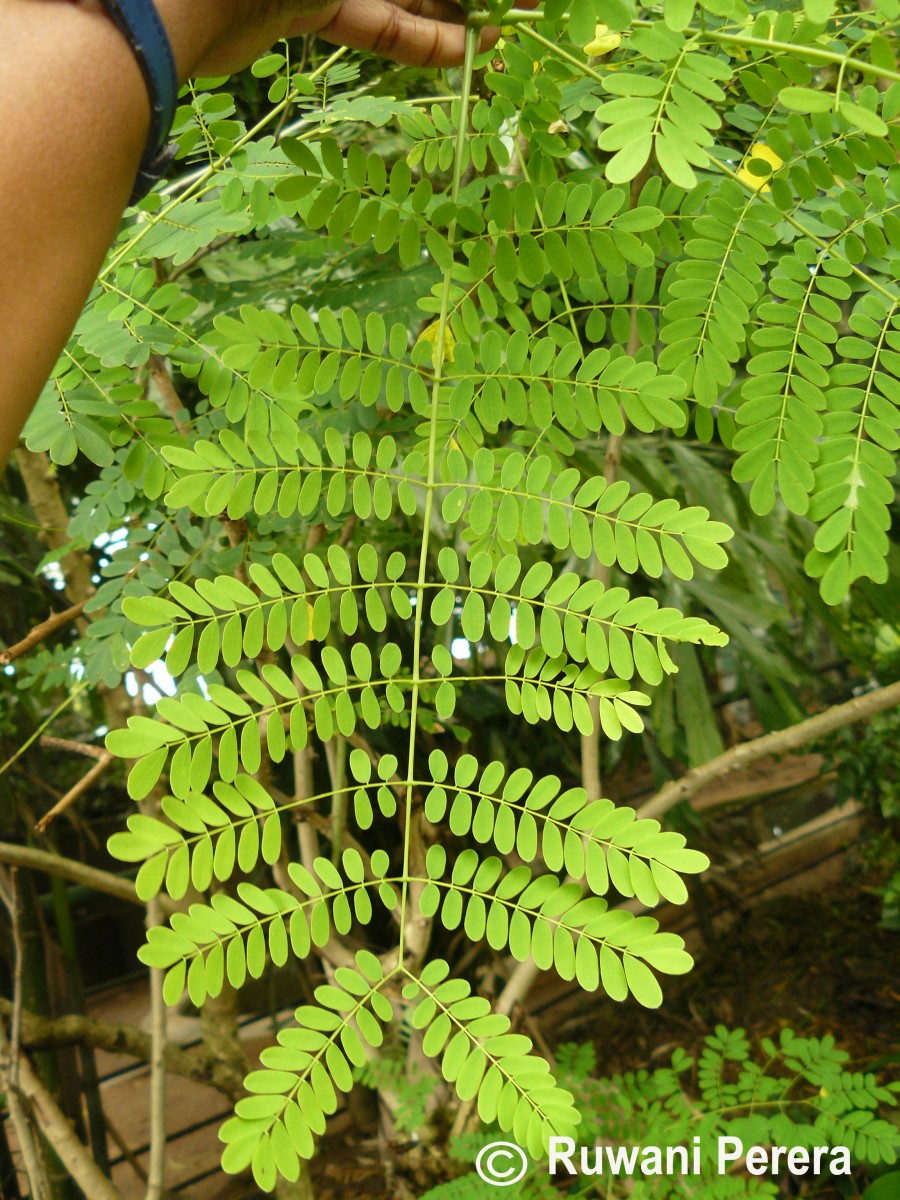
x=427 y=33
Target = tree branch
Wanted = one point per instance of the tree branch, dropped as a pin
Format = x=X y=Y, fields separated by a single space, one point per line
x=55 y=1033
x=166 y=388
x=156 y=1167
x=861 y=708
x=41 y=632
x=10 y=1053
x=31 y=1156
x=521 y=980
x=68 y=868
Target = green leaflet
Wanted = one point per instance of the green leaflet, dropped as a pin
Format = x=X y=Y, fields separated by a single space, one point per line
x=559 y=925
x=234 y=938
x=540 y=820
x=298 y=1084
x=477 y=1054
x=593 y=624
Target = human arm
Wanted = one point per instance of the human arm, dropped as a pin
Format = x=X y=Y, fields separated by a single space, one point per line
x=74 y=116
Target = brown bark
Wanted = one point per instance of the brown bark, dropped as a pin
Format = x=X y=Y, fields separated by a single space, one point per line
x=166 y=388
x=71 y=747
x=156 y=1163
x=39 y=478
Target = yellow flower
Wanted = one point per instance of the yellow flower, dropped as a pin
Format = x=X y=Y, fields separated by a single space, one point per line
x=604 y=42
x=759 y=182
x=430 y=334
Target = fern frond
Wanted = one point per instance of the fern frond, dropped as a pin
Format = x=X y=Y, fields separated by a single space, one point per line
x=230 y=621
x=667 y=114
x=853 y=485
x=782 y=401
x=521 y=499
x=715 y=288
x=289 y=475
x=585 y=620
x=532 y=383
x=182 y=741
x=203 y=839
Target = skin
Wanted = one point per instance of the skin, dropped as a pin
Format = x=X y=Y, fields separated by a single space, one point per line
x=75 y=115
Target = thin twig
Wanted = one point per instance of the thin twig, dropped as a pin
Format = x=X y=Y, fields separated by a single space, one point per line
x=41 y=632
x=73 y=793
x=156 y=1167
x=158 y=1139
x=125 y=1149
x=11 y=900
x=71 y=747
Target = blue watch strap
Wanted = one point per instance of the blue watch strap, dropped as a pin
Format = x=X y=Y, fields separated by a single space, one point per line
x=141 y=25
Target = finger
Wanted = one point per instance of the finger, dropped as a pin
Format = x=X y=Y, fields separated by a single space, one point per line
x=391 y=31
x=447 y=10
x=450 y=11
x=433 y=10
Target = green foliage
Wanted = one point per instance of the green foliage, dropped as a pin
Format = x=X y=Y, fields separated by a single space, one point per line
x=412 y=1087
x=552 y=923
x=357 y=386
x=300 y=1079
x=791 y=1092
x=868 y=771
x=871 y=773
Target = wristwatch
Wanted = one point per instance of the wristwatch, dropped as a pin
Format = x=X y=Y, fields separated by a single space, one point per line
x=142 y=27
